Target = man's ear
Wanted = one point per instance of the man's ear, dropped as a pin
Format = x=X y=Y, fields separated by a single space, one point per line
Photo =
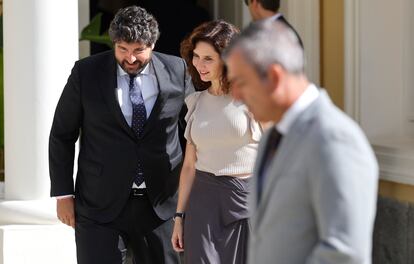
x=152 y=46
x=274 y=75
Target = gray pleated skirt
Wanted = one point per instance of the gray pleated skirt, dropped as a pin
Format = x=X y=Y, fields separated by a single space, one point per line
x=216 y=225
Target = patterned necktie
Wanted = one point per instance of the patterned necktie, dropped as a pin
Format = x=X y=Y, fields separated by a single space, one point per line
x=270 y=151
x=139 y=113
x=139 y=116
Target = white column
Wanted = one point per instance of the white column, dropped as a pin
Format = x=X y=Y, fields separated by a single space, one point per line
x=304 y=17
x=40 y=47
x=83 y=9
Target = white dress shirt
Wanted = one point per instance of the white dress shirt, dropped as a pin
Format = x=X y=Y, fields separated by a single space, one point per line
x=147 y=82
x=308 y=96
x=274 y=17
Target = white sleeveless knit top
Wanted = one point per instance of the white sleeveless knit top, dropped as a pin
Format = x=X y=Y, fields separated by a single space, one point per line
x=224 y=133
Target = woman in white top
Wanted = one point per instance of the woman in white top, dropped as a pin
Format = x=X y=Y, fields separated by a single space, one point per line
x=222 y=139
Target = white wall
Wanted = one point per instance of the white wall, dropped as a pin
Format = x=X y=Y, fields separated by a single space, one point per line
x=408 y=57
x=381 y=67
x=379 y=80
x=383 y=82
x=305 y=18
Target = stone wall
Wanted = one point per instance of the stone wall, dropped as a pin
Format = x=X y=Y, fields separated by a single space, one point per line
x=393 y=232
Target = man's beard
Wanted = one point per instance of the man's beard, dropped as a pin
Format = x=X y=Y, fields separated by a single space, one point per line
x=140 y=66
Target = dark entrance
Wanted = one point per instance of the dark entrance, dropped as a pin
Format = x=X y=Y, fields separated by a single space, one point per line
x=176 y=19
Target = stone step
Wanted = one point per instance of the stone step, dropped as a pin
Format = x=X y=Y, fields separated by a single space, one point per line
x=37 y=244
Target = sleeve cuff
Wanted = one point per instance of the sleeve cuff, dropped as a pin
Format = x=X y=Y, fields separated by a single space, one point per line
x=64 y=196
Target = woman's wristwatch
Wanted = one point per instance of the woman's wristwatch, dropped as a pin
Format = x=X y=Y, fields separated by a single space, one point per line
x=178 y=214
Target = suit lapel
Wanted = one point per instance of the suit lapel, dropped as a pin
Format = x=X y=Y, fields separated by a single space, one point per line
x=163 y=79
x=284 y=156
x=279 y=163
x=108 y=82
x=254 y=197
x=275 y=172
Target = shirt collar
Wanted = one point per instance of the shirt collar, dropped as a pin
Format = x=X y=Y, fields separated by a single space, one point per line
x=274 y=17
x=307 y=97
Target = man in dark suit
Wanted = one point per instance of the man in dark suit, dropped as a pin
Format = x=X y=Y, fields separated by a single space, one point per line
x=125 y=105
x=268 y=9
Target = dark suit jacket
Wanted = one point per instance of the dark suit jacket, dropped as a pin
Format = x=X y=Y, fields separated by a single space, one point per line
x=109 y=149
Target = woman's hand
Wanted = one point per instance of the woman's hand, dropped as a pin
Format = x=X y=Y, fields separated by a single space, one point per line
x=177 y=236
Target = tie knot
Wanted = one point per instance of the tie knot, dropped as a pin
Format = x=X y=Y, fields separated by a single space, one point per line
x=274 y=138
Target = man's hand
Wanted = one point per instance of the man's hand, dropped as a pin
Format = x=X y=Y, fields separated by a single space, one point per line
x=65 y=208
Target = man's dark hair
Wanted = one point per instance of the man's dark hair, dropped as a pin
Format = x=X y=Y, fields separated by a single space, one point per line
x=271 y=5
x=134 y=24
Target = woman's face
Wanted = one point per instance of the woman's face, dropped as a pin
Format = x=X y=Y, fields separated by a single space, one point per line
x=207 y=62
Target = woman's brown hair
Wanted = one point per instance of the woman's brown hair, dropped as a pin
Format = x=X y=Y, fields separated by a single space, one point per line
x=217 y=33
